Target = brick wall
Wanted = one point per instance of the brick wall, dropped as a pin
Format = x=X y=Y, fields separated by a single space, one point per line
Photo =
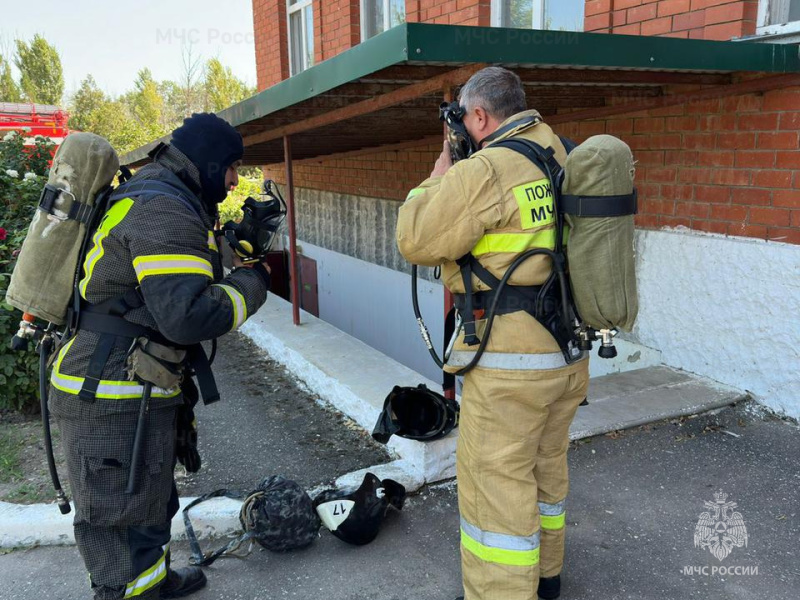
x=696 y=19
x=272 y=45
x=729 y=166
x=450 y=12
x=337 y=27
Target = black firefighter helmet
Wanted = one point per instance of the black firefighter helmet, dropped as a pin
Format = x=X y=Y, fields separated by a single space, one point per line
x=416 y=413
x=355 y=517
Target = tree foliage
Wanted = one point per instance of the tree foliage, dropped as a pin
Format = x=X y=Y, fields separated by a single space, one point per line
x=222 y=87
x=42 y=78
x=9 y=90
x=151 y=109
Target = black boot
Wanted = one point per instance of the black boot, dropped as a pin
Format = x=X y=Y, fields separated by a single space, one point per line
x=550 y=587
x=182 y=582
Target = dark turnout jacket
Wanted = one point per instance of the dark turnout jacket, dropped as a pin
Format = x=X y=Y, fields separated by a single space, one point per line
x=165 y=246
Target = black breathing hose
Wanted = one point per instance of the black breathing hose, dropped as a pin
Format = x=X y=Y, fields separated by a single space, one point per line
x=45 y=348
x=558 y=268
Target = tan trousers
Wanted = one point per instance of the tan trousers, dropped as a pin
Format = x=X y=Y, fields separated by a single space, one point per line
x=512 y=478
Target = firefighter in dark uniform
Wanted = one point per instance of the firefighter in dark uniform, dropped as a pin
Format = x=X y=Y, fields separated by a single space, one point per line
x=155 y=256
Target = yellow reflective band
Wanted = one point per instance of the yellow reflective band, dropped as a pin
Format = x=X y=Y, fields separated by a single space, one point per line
x=106 y=389
x=515 y=242
x=212 y=242
x=171 y=264
x=111 y=219
x=518 y=558
x=553 y=522
x=414 y=192
x=239 y=305
x=148 y=579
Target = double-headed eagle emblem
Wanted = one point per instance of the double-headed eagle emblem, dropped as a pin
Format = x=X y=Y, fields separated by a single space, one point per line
x=720 y=529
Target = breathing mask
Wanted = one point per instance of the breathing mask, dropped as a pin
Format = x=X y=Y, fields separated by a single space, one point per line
x=461 y=144
x=254 y=235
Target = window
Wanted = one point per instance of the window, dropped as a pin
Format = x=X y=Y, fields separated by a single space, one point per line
x=779 y=20
x=301 y=35
x=379 y=15
x=565 y=15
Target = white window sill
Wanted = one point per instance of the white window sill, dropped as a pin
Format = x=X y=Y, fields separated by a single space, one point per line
x=785 y=33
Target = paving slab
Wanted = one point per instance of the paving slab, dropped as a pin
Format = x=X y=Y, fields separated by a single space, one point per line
x=625 y=400
x=634 y=504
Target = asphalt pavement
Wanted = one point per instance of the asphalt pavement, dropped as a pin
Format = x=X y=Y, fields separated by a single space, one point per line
x=267 y=423
x=634 y=505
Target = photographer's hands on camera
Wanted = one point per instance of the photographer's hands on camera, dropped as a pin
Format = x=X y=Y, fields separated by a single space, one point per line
x=444 y=162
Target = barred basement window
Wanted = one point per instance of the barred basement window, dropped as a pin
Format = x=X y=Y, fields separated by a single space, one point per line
x=564 y=15
x=379 y=15
x=300 y=14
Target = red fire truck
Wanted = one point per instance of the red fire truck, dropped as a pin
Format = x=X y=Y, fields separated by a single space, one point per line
x=32 y=120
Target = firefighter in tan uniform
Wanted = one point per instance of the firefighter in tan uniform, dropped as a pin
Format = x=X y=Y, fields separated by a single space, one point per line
x=518 y=402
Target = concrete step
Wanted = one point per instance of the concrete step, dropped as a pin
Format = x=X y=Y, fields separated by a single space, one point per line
x=633 y=398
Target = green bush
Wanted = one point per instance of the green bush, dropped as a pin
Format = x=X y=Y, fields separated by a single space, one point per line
x=23 y=173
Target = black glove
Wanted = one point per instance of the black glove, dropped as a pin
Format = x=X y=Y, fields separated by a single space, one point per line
x=186 y=443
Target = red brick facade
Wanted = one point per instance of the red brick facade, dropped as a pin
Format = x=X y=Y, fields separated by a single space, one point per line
x=272 y=44
x=728 y=166
x=695 y=19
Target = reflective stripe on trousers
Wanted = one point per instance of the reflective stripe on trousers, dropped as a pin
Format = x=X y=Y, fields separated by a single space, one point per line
x=500 y=548
x=106 y=389
x=553 y=516
x=510 y=361
x=149 y=578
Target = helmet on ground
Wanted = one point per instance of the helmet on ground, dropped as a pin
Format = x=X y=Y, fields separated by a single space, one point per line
x=279 y=515
x=416 y=413
x=355 y=517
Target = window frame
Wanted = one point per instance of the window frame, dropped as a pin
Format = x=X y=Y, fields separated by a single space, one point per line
x=300 y=7
x=538 y=11
x=784 y=32
x=387 y=17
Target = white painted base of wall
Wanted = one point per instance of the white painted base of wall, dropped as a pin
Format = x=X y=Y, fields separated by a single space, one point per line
x=723 y=307
x=373 y=304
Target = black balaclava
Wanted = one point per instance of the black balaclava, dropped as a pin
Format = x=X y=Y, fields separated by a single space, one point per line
x=212 y=145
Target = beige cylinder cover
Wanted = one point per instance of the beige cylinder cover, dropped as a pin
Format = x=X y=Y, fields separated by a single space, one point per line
x=43 y=279
x=601 y=250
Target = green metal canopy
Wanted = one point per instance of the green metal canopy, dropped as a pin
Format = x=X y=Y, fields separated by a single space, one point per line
x=386 y=90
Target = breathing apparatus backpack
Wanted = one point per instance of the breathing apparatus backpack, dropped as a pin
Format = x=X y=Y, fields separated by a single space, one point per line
x=593 y=196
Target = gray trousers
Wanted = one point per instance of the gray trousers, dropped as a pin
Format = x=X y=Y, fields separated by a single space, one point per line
x=122 y=538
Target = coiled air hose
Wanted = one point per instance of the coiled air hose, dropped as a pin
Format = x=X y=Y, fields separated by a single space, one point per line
x=558 y=273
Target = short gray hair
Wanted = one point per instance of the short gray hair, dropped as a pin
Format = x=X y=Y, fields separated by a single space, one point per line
x=496 y=90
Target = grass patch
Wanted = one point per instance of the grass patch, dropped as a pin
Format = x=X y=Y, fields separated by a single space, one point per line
x=27 y=493
x=10 y=462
